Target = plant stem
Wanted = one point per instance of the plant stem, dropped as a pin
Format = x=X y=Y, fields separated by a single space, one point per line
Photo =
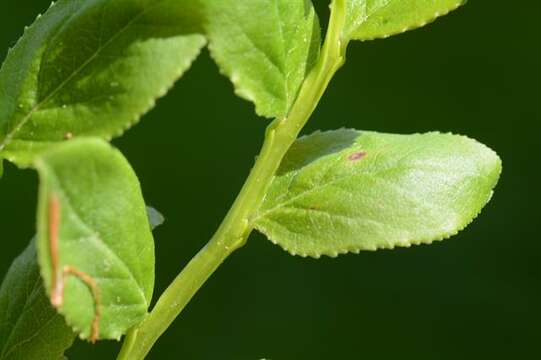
x=237 y=225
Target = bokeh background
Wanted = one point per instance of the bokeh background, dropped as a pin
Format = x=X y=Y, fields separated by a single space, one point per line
x=477 y=296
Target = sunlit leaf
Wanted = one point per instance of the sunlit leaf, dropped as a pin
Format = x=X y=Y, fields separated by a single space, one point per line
x=373 y=19
x=345 y=191
x=266 y=48
x=91 y=67
x=95 y=247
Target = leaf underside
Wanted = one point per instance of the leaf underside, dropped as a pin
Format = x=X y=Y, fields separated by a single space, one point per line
x=90 y=195
x=346 y=191
x=155 y=218
x=91 y=68
x=374 y=19
x=30 y=328
x=266 y=48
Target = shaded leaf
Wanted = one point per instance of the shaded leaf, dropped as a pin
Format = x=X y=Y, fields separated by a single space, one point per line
x=345 y=191
x=94 y=238
x=155 y=218
x=91 y=67
x=373 y=19
x=30 y=328
x=266 y=48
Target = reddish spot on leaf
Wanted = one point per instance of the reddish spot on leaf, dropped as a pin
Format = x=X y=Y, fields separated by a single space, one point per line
x=357 y=156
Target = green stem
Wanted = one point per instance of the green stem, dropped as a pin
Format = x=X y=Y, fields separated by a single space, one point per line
x=237 y=225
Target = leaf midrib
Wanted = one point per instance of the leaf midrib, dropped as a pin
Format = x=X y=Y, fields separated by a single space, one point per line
x=286 y=204
x=319 y=187
x=30 y=338
x=280 y=25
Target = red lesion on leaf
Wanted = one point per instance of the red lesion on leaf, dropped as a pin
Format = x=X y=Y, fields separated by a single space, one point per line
x=59 y=277
x=356 y=156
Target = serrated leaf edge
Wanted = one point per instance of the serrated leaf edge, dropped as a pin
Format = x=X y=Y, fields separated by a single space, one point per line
x=423 y=23
x=390 y=245
x=41 y=166
x=182 y=69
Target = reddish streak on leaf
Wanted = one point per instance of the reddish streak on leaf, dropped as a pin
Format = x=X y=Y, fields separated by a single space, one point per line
x=357 y=156
x=91 y=283
x=58 y=278
x=57 y=286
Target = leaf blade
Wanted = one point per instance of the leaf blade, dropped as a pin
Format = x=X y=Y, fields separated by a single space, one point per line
x=266 y=48
x=346 y=191
x=103 y=232
x=155 y=218
x=376 y=19
x=30 y=328
x=90 y=68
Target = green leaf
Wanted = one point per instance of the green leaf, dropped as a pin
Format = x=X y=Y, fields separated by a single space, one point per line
x=374 y=19
x=155 y=218
x=94 y=237
x=345 y=191
x=91 y=67
x=266 y=48
x=30 y=328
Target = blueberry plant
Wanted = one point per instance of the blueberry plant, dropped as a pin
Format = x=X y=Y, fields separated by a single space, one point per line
x=87 y=70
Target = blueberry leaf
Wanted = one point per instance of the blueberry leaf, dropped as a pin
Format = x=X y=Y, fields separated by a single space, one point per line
x=374 y=19
x=91 y=68
x=346 y=191
x=30 y=328
x=266 y=48
x=95 y=246
x=155 y=218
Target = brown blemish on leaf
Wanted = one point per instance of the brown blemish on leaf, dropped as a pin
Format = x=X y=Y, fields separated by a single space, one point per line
x=59 y=277
x=91 y=283
x=356 y=156
x=54 y=224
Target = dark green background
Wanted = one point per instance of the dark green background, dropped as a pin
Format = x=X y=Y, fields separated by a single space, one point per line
x=476 y=296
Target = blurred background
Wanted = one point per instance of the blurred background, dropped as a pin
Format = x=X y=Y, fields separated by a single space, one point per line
x=476 y=296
